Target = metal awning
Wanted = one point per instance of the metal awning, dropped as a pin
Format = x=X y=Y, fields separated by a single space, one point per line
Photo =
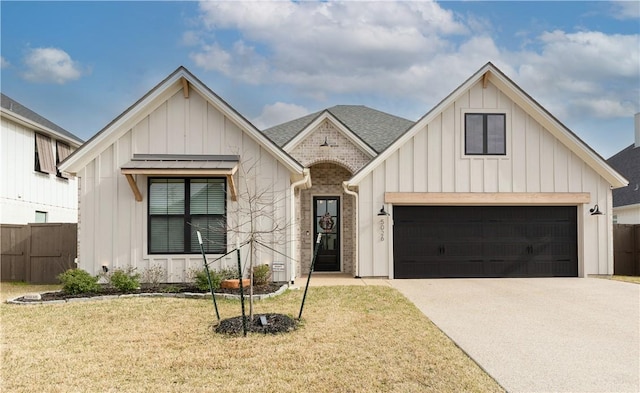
x=197 y=165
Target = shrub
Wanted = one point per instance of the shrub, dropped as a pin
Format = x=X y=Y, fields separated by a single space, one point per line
x=125 y=280
x=76 y=281
x=217 y=276
x=153 y=275
x=228 y=273
x=261 y=274
x=201 y=281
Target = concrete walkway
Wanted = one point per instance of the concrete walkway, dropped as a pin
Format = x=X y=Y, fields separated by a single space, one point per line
x=330 y=279
x=540 y=335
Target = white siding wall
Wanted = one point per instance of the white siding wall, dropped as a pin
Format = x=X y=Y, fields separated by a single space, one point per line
x=535 y=162
x=114 y=225
x=22 y=189
x=628 y=214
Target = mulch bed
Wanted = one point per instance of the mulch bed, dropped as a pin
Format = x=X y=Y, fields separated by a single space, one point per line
x=276 y=323
x=160 y=288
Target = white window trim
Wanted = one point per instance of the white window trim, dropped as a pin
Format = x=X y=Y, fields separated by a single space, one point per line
x=507 y=130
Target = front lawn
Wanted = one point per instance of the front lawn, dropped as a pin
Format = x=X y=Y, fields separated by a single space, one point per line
x=353 y=339
x=633 y=279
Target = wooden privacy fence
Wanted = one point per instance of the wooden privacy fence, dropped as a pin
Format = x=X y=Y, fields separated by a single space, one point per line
x=37 y=253
x=626 y=250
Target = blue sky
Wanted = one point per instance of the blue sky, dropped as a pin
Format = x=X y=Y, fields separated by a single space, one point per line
x=80 y=64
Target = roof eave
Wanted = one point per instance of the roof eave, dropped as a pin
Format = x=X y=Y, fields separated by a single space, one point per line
x=74 y=142
x=513 y=91
x=327 y=115
x=158 y=94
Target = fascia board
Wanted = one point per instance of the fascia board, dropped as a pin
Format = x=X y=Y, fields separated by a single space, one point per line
x=147 y=104
x=120 y=125
x=353 y=138
x=244 y=124
x=39 y=127
x=530 y=106
x=420 y=124
x=557 y=129
x=302 y=135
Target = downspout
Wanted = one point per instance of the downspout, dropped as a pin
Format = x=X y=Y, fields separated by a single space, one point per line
x=345 y=186
x=306 y=179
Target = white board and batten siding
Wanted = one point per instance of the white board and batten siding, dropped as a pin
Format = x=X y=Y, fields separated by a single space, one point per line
x=23 y=191
x=434 y=161
x=114 y=225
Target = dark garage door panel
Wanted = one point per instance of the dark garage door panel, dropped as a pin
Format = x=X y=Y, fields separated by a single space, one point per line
x=487 y=241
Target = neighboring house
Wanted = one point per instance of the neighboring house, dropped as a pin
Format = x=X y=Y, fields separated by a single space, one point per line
x=486 y=184
x=32 y=189
x=626 y=200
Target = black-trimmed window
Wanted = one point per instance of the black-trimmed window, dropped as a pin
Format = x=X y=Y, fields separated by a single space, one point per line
x=180 y=206
x=485 y=134
x=62 y=151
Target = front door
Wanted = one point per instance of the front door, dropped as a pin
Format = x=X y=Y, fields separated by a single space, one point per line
x=327 y=221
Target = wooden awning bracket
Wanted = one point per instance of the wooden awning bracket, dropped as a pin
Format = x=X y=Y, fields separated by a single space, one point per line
x=232 y=188
x=134 y=187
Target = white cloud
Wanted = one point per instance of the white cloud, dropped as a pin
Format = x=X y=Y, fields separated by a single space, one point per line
x=317 y=45
x=51 y=65
x=278 y=113
x=4 y=63
x=412 y=51
x=625 y=9
x=583 y=74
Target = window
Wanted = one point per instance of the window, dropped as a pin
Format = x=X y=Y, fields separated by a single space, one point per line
x=41 y=217
x=180 y=206
x=62 y=151
x=44 y=155
x=485 y=133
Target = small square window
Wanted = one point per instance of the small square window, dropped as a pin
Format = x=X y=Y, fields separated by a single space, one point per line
x=41 y=217
x=485 y=134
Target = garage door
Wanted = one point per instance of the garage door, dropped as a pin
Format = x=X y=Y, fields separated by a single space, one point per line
x=485 y=241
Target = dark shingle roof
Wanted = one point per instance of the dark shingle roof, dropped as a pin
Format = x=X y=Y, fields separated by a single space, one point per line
x=19 y=109
x=627 y=162
x=377 y=129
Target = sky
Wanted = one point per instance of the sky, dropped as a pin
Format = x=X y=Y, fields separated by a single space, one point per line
x=80 y=64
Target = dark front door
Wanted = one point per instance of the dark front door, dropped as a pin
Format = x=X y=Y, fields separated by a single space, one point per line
x=326 y=212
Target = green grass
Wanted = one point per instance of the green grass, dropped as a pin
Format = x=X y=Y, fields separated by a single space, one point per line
x=353 y=339
x=633 y=279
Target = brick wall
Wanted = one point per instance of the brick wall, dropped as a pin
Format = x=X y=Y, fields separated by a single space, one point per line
x=326 y=179
x=342 y=150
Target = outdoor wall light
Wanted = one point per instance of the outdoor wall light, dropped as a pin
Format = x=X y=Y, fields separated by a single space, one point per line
x=325 y=145
x=105 y=269
x=596 y=211
x=382 y=213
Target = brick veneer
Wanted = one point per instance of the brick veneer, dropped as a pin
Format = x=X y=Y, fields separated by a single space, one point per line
x=329 y=168
x=327 y=179
x=342 y=150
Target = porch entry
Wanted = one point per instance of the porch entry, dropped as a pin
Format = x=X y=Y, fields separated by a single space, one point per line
x=326 y=211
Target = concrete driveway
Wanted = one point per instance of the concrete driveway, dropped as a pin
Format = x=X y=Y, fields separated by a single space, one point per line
x=540 y=334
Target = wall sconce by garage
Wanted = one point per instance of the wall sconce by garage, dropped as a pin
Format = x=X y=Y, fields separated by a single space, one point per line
x=596 y=211
x=383 y=212
x=105 y=268
x=325 y=145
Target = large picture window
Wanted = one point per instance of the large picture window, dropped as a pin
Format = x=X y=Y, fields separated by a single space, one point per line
x=485 y=134
x=180 y=206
